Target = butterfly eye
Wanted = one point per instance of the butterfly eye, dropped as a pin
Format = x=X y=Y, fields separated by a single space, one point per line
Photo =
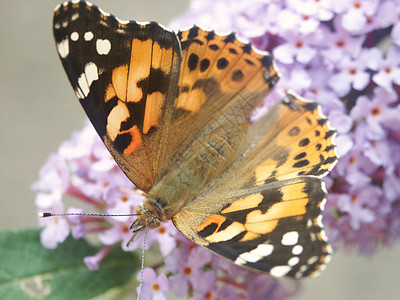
x=154 y=223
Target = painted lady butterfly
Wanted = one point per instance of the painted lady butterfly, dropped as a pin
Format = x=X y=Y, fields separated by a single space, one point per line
x=174 y=110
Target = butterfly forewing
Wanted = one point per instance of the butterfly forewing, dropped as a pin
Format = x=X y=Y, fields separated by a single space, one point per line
x=222 y=80
x=125 y=75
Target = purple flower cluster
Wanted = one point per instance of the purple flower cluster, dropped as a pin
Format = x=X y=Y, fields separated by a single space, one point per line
x=344 y=55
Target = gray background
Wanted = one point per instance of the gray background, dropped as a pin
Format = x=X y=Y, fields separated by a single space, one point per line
x=38 y=111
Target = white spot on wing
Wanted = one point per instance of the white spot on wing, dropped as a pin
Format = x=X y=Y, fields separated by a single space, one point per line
x=240 y=261
x=322 y=268
x=103 y=46
x=63 y=48
x=319 y=221
x=122 y=21
x=83 y=86
x=328 y=259
x=74 y=17
x=323 y=236
x=88 y=36
x=79 y=94
x=74 y=36
x=298 y=249
x=249 y=257
x=106 y=14
x=86 y=79
x=91 y=73
x=315 y=274
x=143 y=23
x=303 y=268
x=280 y=271
x=293 y=261
x=312 y=260
x=262 y=250
x=290 y=238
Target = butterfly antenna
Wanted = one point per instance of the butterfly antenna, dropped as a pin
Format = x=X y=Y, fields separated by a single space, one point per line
x=142 y=267
x=47 y=214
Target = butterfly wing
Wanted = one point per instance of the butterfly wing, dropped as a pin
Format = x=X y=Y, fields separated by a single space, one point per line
x=222 y=79
x=265 y=211
x=125 y=75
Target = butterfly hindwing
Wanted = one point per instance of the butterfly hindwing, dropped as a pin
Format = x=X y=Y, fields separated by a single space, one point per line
x=293 y=139
x=267 y=214
x=125 y=75
x=275 y=228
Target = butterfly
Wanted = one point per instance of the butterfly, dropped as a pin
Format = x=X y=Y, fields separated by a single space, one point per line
x=175 y=112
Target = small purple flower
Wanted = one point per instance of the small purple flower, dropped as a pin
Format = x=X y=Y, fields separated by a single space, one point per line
x=56 y=229
x=53 y=182
x=225 y=291
x=388 y=71
x=154 y=287
x=93 y=262
x=340 y=42
x=165 y=236
x=297 y=47
x=378 y=112
x=355 y=13
x=351 y=73
x=189 y=272
x=358 y=205
x=78 y=229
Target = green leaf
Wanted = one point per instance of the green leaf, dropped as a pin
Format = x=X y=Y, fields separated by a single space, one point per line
x=28 y=271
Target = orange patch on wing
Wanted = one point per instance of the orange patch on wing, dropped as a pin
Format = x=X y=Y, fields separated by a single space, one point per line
x=251 y=201
x=278 y=211
x=227 y=234
x=120 y=81
x=264 y=170
x=110 y=93
x=162 y=58
x=249 y=236
x=262 y=227
x=214 y=219
x=139 y=67
x=294 y=191
x=136 y=140
x=117 y=115
x=194 y=103
x=152 y=111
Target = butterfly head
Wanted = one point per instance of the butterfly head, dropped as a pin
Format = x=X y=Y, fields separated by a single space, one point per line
x=147 y=216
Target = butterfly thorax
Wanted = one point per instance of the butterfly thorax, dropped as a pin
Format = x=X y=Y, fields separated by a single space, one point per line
x=175 y=190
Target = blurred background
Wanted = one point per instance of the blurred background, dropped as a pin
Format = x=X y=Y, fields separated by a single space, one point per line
x=38 y=110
